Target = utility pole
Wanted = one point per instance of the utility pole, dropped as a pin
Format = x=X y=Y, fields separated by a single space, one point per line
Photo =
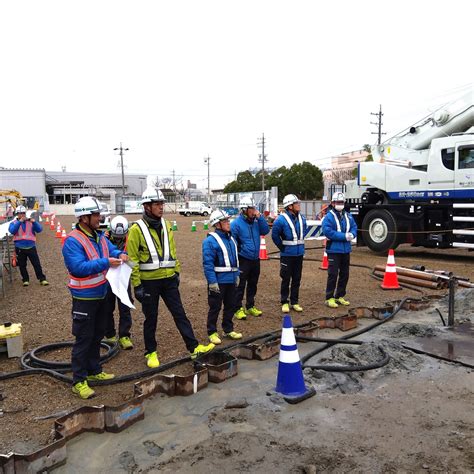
x=121 y=150
x=174 y=183
x=379 y=124
x=208 y=161
x=262 y=158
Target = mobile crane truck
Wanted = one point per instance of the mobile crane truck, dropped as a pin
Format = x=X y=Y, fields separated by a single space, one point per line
x=420 y=187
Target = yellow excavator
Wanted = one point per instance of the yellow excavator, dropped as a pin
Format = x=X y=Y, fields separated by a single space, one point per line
x=14 y=198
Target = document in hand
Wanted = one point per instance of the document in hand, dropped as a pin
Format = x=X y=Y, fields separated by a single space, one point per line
x=118 y=278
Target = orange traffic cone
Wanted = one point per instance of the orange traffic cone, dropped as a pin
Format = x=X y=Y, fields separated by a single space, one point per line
x=51 y=224
x=263 y=249
x=47 y=220
x=63 y=236
x=58 y=231
x=14 y=261
x=390 y=278
x=325 y=263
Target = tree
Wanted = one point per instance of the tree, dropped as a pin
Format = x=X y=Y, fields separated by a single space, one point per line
x=303 y=179
x=245 y=182
x=366 y=148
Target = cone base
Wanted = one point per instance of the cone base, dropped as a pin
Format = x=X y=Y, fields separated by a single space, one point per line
x=323 y=268
x=391 y=287
x=310 y=392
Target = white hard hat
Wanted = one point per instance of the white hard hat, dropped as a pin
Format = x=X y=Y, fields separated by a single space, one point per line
x=152 y=195
x=86 y=206
x=290 y=199
x=20 y=209
x=246 y=203
x=338 y=196
x=119 y=226
x=217 y=216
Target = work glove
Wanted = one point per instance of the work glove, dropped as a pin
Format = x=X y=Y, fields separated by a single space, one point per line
x=140 y=293
x=237 y=281
x=214 y=288
x=349 y=236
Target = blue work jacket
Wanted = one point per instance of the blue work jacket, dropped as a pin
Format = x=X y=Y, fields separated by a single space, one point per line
x=281 y=232
x=337 y=242
x=247 y=234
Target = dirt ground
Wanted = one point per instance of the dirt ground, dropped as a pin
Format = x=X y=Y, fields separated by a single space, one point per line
x=45 y=316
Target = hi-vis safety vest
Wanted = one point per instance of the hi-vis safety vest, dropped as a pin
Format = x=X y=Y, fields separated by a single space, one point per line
x=96 y=279
x=338 y=224
x=158 y=261
x=296 y=240
x=26 y=234
x=228 y=267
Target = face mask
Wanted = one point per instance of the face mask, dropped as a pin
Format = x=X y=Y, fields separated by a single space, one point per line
x=339 y=207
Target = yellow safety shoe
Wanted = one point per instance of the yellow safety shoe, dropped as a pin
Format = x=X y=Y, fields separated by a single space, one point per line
x=233 y=335
x=214 y=338
x=342 y=301
x=253 y=311
x=202 y=349
x=285 y=308
x=100 y=377
x=240 y=314
x=331 y=302
x=110 y=340
x=26 y=283
x=126 y=343
x=297 y=308
x=44 y=283
x=83 y=390
x=152 y=360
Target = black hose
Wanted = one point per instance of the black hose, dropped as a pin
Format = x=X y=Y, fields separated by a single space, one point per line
x=353 y=334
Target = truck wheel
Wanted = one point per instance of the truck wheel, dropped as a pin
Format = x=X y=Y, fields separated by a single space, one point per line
x=205 y=214
x=187 y=214
x=380 y=230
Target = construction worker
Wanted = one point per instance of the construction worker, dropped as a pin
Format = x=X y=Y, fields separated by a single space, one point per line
x=246 y=230
x=288 y=234
x=151 y=246
x=118 y=236
x=339 y=228
x=24 y=232
x=88 y=255
x=221 y=269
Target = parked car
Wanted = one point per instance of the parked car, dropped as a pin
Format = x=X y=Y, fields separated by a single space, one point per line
x=199 y=208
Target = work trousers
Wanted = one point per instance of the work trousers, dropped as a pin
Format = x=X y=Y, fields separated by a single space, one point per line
x=215 y=300
x=167 y=289
x=88 y=322
x=290 y=271
x=125 y=316
x=22 y=256
x=338 y=272
x=249 y=274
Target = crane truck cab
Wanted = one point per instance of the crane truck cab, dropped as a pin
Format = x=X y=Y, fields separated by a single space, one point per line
x=420 y=187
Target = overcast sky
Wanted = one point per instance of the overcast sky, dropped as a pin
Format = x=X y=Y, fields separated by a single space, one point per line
x=175 y=81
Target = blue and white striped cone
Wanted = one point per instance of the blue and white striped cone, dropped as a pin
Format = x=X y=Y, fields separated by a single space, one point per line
x=290 y=381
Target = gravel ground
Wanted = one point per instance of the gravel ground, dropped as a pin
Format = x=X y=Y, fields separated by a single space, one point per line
x=45 y=315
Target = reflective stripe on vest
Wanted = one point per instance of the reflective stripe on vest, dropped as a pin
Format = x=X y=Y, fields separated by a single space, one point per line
x=26 y=234
x=97 y=279
x=157 y=262
x=228 y=267
x=295 y=240
x=338 y=224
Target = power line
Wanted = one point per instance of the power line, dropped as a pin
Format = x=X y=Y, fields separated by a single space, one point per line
x=121 y=149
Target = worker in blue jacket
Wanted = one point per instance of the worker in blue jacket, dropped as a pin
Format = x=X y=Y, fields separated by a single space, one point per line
x=24 y=232
x=288 y=234
x=88 y=255
x=246 y=230
x=221 y=269
x=339 y=229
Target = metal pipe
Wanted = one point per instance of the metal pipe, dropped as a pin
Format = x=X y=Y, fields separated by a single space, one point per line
x=452 y=290
x=418 y=282
x=412 y=273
